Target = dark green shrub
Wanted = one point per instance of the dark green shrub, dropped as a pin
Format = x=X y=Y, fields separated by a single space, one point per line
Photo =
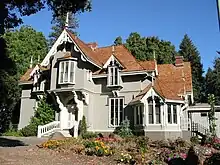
x=124 y=129
x=213 y=160
x=29 y=130
x=194 y=140
x=82 y=126
x=89 y=135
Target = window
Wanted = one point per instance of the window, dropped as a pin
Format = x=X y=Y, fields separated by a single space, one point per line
x=203 y=114
x=116 y=111
x=158 y=114
x=89 y=75
x=139 y=115
x=67 y=72
x=169 y=113
x=113 y=76
x=172 y=114
x=150 y=111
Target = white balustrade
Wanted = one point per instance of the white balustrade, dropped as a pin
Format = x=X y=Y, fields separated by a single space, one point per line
x=48 y=128
x=185 y=124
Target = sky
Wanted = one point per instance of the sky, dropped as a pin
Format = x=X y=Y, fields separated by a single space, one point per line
x=167 y=19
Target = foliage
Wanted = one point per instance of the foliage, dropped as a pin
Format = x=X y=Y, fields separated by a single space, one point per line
x=142 y=143
x=52 y=144
x=97 y=148
x=23 y=44
x=11 y=10
x=211 y=114
x=194 y=139
x=213 y=160
x=118 y=41
x=143 y=48
x=126 y=158
x=124 y=129
x=12 y=132
x=59 y=24
x=89 y=135
x=190 y=53
x=43 y=115
x=83 y=126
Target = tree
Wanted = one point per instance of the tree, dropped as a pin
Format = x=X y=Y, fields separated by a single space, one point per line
x=43 y=115
x=59 y=24
x=118 y=41
x=191 y=54
x=143 y=48
x=23 y=44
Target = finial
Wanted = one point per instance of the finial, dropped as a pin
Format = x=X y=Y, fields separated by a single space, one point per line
x=38 y=59
x=31 y=62
x=67 y=21
x=113 y=49
x=154 y=55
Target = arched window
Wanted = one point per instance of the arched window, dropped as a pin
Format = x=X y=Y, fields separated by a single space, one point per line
x=150 y=110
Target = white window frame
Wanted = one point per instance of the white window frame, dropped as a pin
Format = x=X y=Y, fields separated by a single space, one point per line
x=172 y=114
x=69 y=70
x=110 y=106
x=138 y=110
x=154 y=113
x=113 y=75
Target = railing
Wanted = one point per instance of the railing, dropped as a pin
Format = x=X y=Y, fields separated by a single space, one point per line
x=48 y=128
x=199 y=128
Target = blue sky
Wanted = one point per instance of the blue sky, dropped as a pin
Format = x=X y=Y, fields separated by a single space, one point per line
x=167 y=19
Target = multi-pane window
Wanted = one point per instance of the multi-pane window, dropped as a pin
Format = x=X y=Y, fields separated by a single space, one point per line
x=172 y=114
x=116 y=111
x=158 y=111
x=67 y=72
x=113 y=76
x=150 y=111
x=138 y=115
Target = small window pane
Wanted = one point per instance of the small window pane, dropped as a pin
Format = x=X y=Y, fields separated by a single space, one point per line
x=112 y=112
x=116 y=76
x=169 y=114
x=111 y=76
x=72 y=72
x=174 y=114
x=150 y=111
x=66 y=64
x=121 y=111
x=116 y=112
x=141 y=115
x=158 y=114
x=61 y=72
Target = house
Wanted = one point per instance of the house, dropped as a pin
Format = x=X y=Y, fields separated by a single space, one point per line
x=108 y=85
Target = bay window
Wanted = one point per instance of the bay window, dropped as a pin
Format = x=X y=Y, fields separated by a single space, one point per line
x=67 y=72
x=116 y=106
x=138 y=114
x=171 y=114
x=154 y=111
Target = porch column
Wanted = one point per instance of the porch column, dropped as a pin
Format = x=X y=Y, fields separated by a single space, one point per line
x=63 y=114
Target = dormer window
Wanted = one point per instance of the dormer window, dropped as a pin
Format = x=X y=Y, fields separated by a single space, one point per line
x=113 y=74
x=67 y=72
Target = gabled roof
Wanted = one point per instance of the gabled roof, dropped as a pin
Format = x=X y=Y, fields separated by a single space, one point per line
x=26 y=77
x=171 y=83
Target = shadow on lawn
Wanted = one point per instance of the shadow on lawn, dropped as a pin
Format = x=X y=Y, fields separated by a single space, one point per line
x=6 y=142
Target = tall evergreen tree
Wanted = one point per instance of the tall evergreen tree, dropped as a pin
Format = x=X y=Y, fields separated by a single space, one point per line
x=143 y=48
x=59 y=24
x=190 y=53
x=118 y=41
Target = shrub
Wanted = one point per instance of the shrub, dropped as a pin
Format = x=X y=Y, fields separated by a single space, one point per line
x=89 y=135
x=213 y=160
x=142 y=143
x=83 y=126
x=52 y=144
x=194 y=140
x=124 y=129
x=12 y=133
x=43 y=115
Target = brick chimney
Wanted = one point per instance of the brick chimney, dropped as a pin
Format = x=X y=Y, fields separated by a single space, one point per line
x=92 y=45
x=179 y=61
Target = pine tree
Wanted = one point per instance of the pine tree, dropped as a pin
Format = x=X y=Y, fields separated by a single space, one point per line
x=118 y=41
x=190 y=53
x=59 y=24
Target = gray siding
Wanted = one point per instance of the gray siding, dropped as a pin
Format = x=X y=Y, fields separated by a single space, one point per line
x=27 y=108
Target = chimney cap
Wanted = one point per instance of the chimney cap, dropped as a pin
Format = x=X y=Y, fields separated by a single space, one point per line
x=179 y=61
x=92 y=45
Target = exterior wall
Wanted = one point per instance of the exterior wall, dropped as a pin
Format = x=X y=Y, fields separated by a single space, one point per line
x=203 y=120
x=27 y=108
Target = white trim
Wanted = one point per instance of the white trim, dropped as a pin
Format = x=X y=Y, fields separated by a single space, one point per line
x=113 y=76
x=111 y=58
x=96 y=130
x=163 y=130
x=69 y=63
x=109 y=104
x=174 y=101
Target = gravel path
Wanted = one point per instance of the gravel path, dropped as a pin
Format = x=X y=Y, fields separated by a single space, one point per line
x=23 y=151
